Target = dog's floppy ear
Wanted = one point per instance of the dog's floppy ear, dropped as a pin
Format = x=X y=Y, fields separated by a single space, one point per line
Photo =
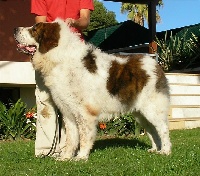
x=48 y=37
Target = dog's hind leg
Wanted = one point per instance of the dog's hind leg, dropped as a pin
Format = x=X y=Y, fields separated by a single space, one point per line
x=155 y=120
x=149 y=129
x=160 y=135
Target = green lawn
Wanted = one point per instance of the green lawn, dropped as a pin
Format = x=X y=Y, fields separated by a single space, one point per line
x=117 y=157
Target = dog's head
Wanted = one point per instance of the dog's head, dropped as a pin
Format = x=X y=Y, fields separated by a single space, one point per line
x=41 y=37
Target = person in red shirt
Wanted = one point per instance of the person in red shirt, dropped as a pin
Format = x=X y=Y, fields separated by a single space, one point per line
x=50 y=135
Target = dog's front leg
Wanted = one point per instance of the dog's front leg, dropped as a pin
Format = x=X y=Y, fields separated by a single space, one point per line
x=87 y=132
x=72 y=138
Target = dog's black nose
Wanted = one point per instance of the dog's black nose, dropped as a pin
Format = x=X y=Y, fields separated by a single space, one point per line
x=15 y=30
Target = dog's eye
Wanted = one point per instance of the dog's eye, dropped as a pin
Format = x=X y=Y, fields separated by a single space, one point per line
x=35 y=26
x=34 y=29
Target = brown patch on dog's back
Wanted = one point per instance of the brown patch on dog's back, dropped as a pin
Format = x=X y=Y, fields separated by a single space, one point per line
x=127 y=80
x=89 y=62
x=46 y=34
x=161 y=83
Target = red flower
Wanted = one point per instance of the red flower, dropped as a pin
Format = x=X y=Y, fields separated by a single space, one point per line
x=29 y=115
x=102 y=126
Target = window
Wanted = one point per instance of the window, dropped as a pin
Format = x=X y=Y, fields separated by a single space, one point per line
x=9 y=94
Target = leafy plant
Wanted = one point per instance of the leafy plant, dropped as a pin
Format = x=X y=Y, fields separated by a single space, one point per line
x=13 y=121
x=178 y=52
x=122 y=126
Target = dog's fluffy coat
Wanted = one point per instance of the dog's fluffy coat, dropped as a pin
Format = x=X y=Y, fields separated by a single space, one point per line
x=87 y=85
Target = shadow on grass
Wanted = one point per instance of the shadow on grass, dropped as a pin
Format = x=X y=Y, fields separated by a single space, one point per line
x=120 y=142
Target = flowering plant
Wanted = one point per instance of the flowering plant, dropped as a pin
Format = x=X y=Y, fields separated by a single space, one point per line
x=31 y=117
x=123 y=125
x=13 y=122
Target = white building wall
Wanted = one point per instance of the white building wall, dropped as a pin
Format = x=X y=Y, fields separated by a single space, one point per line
x=184 y=92
x=185 y=100
x=16 y=73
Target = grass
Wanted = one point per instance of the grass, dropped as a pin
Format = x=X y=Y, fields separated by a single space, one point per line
x=110 y=157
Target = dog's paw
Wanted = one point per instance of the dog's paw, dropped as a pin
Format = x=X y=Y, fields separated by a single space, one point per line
x=63 y=159
x=164 y=152
x=152 y=150
x=80 y=158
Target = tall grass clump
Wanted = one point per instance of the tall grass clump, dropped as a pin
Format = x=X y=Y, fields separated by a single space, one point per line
x=178 y=52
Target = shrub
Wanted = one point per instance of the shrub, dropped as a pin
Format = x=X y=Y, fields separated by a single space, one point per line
x=18 y=122
x=13 y=122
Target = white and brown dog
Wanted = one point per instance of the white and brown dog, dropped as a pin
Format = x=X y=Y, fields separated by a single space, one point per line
x=87 y=84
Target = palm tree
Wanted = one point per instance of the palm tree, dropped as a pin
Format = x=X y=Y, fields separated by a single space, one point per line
x=139 y=12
